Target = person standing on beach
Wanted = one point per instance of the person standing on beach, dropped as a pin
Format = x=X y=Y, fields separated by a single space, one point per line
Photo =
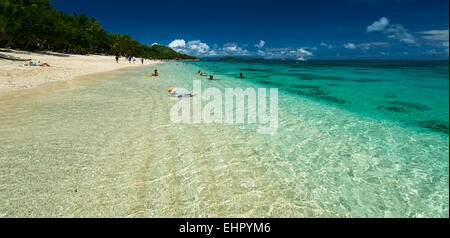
x=134 y=59
x=142 y=60
x=129 y=59
x=117 y=58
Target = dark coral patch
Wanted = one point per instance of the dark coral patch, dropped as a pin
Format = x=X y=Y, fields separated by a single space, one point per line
x=410 y=105
x=271 y=83
x=393 y=109
x=436 y=126
x=306 y=86
x=317 y=94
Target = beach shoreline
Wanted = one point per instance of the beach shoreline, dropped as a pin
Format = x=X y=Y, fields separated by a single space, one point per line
x=14 y=75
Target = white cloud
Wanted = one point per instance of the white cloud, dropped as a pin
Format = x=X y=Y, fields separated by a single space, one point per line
x=195 y=47
x=435 y=35
x=302 y=52
x=261 y=44
x=198 y=47
x=155 y=44
x=177 y=44
x=201 y=49
x=350 y=46
x=379 y=25
x=399 y=32
x=432 y=52
x=290 y=53
x=366 y=46
x=234 y=49
x=438 y=39
x=231 y=47
x=329 y=46
x=394 y=31
x=261 y=53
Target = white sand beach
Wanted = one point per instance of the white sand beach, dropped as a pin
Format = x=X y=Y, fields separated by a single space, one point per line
x=14 y=75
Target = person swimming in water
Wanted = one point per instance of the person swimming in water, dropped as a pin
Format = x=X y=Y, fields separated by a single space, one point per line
x=241 y=76
x=173 y=92
x=211 y=77
x=155 y=74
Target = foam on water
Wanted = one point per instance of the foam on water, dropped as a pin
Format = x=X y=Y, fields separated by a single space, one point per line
x=105 y=146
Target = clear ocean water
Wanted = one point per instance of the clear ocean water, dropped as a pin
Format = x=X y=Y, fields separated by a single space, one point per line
x=355 y=139
x=414 y=93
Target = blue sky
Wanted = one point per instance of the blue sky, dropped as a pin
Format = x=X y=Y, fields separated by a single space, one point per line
x=320 y=29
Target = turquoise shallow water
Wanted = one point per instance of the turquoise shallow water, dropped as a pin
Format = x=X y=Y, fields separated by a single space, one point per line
x=355 y=139
x=412 y=92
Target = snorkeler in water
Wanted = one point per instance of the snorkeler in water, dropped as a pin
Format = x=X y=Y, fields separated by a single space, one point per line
x=173 y=92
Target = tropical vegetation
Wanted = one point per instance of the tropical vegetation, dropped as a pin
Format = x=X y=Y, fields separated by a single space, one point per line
x=36 y=26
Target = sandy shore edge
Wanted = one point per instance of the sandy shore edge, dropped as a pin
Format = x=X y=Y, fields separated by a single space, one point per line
x=14 y=75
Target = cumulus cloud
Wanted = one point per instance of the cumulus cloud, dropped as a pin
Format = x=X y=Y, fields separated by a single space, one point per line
x=234 y=49
x=201 y=49
x=399 y=32
x=394 y=31
x=379 y=25
x=198 y=47
x=261 y=44
x=177 y=44
x=195 y=47
x=438 y=39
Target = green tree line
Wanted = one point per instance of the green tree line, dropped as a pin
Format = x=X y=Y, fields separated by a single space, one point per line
x=36 y=25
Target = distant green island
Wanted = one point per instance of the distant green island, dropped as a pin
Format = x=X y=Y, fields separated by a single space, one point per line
x=35 y=25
